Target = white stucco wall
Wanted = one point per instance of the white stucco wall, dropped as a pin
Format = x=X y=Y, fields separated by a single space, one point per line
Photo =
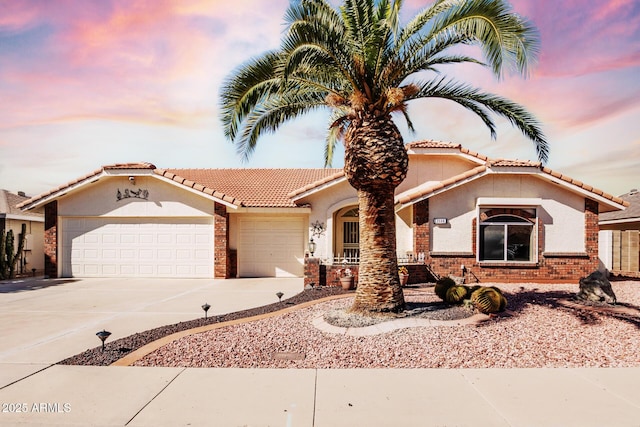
x=605 y=250
x=561 y=211
x=323 y=206
x=433 y=168
x=404 y=232
x=164 y=200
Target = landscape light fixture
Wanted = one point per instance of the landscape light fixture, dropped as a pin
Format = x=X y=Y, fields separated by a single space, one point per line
x=103 y=335
x=279 y=295
x=312 y=246
x=206 y=308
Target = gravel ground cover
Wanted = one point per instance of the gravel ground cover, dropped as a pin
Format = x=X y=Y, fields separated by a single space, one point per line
x=537 y=331
x=117 y=349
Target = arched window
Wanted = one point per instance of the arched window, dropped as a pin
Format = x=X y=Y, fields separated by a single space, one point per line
x=347 y=234
x=507 y=236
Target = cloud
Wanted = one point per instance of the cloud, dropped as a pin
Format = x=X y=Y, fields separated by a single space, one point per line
x=581 y=37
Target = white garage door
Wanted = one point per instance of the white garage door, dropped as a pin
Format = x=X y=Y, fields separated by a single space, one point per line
x=271 y=247
x=136 y=247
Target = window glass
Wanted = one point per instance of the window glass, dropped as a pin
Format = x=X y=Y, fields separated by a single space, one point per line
x=519 y=242
x=506 y=237
x=492 y=242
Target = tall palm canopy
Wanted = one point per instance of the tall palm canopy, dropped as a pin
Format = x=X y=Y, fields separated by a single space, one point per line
x=361 y=63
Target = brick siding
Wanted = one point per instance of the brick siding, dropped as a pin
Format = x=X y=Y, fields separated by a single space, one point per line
x=551 y=267
x=222 y=267
x=316 y=273
x=51 y=239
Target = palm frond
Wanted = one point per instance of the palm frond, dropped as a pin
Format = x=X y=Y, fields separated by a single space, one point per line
x=268 y=116
x=505 y=37
x=241 y=92
x=478 y=102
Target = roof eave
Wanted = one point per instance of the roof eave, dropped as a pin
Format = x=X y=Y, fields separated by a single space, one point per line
x=315 y=188
x=619 y=221
x=56 y=193
x=198 y=189
x=603 y=199
x=454 y=182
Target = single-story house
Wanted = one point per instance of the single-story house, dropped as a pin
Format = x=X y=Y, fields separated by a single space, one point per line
x=496 y=220
x=620 y=237
x=12 y=218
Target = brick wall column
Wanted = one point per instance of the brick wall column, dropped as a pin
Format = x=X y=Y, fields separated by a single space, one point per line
x=591 y=229
x=51 y=239
x=421 y=231
x=312 y=271
x=222 y=266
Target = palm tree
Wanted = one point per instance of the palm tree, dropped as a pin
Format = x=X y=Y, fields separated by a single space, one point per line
x=363 y=65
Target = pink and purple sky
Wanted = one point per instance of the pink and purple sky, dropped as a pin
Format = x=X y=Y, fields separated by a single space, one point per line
x=90 y=83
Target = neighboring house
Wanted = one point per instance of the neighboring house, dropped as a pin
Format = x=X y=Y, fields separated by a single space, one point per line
x=620 y=237
x=502 y=220
x=12 y=218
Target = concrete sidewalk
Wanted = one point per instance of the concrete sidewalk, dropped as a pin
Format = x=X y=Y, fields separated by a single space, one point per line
x=45 y=321
x=136 y=396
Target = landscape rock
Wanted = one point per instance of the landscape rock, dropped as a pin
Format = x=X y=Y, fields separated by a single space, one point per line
x=597 y=288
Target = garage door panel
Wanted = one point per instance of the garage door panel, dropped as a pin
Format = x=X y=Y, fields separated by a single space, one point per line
x=160 y=247
x=271 y=247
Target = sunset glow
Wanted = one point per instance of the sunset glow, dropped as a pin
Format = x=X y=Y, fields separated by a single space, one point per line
x=90 y=83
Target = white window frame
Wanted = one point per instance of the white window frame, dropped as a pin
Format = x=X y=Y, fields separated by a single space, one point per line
x=515 y=203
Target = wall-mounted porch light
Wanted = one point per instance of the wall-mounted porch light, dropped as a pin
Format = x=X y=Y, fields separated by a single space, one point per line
x=312 y=246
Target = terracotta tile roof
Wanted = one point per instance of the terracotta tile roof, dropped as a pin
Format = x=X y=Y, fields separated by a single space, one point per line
x=139 y=165
x=440 y=144
x=335 y=176
x=250 y=187
x=632 y=212
x=412 y=195
x=514 y=163
x=428 y=143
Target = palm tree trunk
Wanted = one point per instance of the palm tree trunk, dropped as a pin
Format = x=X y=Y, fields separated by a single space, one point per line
x=376 y=162
x=379 y=287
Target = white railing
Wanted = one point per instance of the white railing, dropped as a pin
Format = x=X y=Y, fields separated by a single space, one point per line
x=354 y=258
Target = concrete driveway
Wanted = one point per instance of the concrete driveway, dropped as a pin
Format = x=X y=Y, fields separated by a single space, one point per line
x=44 y=321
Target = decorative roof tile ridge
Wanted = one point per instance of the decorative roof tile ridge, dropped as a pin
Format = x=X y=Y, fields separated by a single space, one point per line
x=514 y=163
x=198 y=187
x=138 y=165
x=317 y=183
x=61 y=187
x=446 y=183
x=475 y=154
x=432 y=143
x=584 y=186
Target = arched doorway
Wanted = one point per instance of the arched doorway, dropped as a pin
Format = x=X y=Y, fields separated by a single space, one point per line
x=347 y=234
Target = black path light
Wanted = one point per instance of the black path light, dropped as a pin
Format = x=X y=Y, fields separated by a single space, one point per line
x=206 y=308
x=279 y=295
x=103 y=335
